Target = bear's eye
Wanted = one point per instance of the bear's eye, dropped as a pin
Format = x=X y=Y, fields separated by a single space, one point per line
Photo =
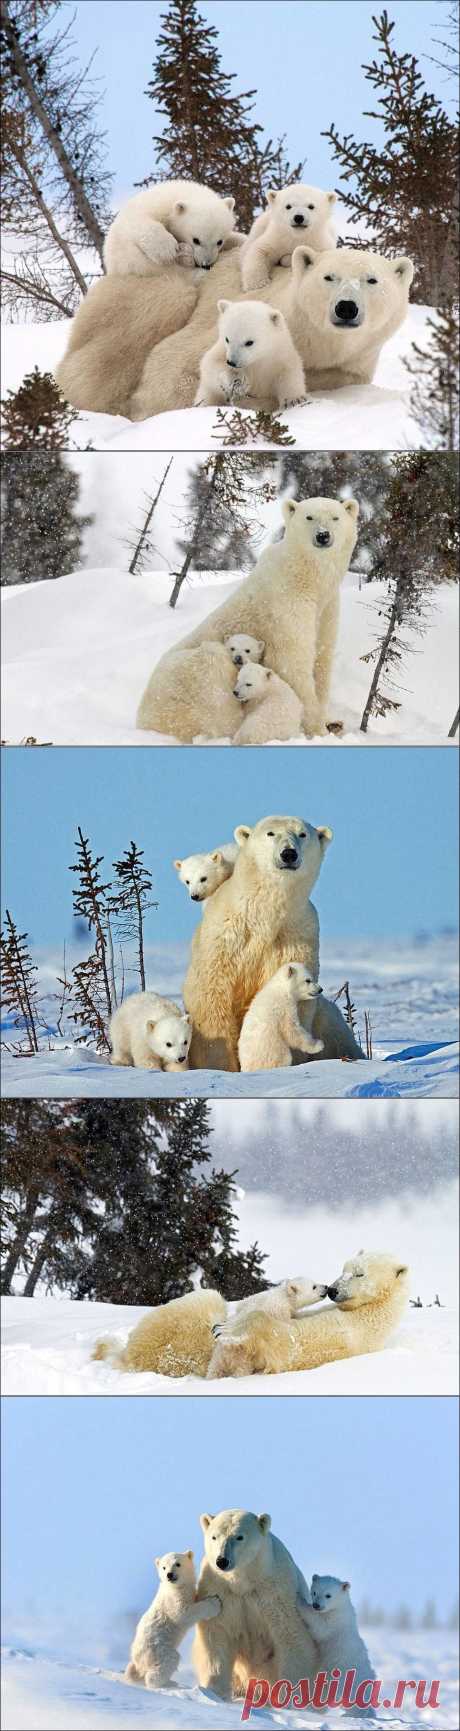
x=302 y=834
x=203 y=880
x=328 y=279
x=196 y=242
x=359 y=1274
x=169 y=1044
x=372 y=279
x=227 y=339
x=250 y=343
x=310 y=207
x=335 y=519
x=240 y=1537
x=220 y=243
x=328 y=1595
x=309 y=519
x=289 y=207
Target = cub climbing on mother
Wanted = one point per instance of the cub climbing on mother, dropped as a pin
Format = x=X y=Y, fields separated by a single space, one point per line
x=291 y=600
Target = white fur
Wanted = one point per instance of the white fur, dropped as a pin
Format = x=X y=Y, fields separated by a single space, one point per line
x=253 y=362
x=243 y=648
x=151 y=1033
x=203 y=872
x=176 y=222
x=368 y=1301
x=332 y=1622
x=271 y=1029
x=260 y=1632
x=294 y=214
x=154 y=1653
x=289 y=1298
x=272 y=709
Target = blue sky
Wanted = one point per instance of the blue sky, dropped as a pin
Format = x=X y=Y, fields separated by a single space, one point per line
x=299 y=94
x=391 y=869
x=94 y=1489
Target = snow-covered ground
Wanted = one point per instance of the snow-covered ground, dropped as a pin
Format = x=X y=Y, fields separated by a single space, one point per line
x=78 y=651
x=372 y=417
x=44 y=1692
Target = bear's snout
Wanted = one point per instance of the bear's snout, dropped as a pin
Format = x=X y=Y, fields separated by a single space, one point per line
x=238 y=660
x=332 y=1291
x=171 y=1576
x=346 y=312
x=222 y=1563
x=323 y=538
x=299 y=221
x=289 y=855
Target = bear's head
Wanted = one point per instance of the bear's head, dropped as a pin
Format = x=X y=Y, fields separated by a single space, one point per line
x=204 y=221
x=352 y=291
x=233 y=1541
x=170 y=1038
x=298 y=981
x=249 y=332
x=321 y=528
x=300 y=208
x=301 y=1293
x=327 y=1592
x=243 y=648
x=284 y=844
x=177 y=1571
x=252 y=683
x=202 y=873
x=367 y=1276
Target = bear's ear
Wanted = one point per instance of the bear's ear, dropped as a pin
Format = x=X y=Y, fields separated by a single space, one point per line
x=189 y=1554
x=325 y=835
x=351 y=505
x=331 y=197
x=205 y=1522
x=271 y=195
x=230 y=203
x=157 y=1562
x=180 y=207
x=289 y=508
x=291 y=970
x=222 y=306
x=269 y=672
x=242 y=833
x=217 y=857
x=151 y=1026
x=401 y=1271
x=346 y=1586
x=265 y=1522
x=276 y=318
x=177 y=864
x=261 y=646
x=302 y=260
x=404 y=268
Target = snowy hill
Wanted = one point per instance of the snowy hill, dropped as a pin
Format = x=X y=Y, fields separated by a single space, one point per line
x=44 y=1692
x=367 y=417
x=427 y=1070
x=78 y=651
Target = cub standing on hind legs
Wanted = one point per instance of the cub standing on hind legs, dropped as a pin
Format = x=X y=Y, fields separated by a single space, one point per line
x=154 y=1654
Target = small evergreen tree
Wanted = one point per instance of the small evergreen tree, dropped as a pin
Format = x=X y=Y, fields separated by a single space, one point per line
x=405 y=191
x=210 y=134
x=218 y=526
x=92 y=904
x=131 y=899
x=36 y=414
x=141 y=548
x=41 y=532
x=19 y=981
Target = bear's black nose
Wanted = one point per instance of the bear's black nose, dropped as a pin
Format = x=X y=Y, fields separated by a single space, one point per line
x=238 y=660
x=332 y=1291
x=223 y=1563
x=299 y=221
x=289 y=854
x=322 y=537
x=195 y=898
x=346 y=311
x=170 y=1576
x=182 y=1059
x=231 y=363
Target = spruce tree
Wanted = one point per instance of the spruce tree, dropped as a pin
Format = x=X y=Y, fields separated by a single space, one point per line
x=36 y=414
x=210 y=134
x=218 y=528
x=405 y=189
x=434 y=371
x=41 y=532
x=19 y=982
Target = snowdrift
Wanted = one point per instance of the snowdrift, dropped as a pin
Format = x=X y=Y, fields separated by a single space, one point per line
x=428 y=1070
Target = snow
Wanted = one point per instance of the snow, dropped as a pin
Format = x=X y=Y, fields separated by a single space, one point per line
x=366 y=417
x=78 y=651
x=44 y=1692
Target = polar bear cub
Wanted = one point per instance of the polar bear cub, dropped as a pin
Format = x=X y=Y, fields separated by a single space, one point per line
x=253 y=361
x=203 y=872
x=271 y=1028
x=154 y=1653
x=294 y=213
x=289 y=1298
x=243 y=648
x=272 y=708
x=176 y=222
x=151 y=1033
x=332 y=1622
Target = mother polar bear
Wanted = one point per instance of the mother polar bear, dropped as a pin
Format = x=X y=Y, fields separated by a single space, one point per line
x=290 y=601
x=259 y=1632
x=258 y=919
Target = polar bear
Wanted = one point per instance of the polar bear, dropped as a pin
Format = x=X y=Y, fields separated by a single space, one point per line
x=368 y=1300
x=272 y=710
x=176 y=222
x=154 y=1653
x=253 y=362
x=176 y=1339
x=292 y=599
x=289 y=1298
x=151 y=1033
x=137 y=353
x=244 y=648
x=292 y=213
x=331 y=1620
x=191 y=692
x=271 y=1029
x=259 y=919
x=203 y=872
x=259 y=1632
